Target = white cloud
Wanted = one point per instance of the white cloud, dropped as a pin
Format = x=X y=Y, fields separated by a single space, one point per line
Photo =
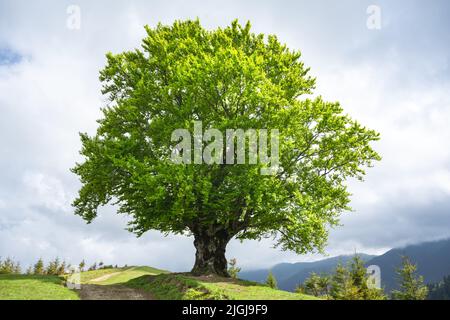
x=47 y=191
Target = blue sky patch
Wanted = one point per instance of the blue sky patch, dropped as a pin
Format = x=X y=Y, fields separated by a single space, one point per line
x=8 y=56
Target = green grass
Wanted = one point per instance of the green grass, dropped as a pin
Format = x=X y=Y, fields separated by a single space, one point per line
x=88 y=276
x=185 y=287
x=125 y=275
x=160 y=283
x=34 y=287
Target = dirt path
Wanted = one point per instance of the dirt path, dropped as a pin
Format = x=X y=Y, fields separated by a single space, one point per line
x=112 y=292
x=93 y=291
x=105 y=277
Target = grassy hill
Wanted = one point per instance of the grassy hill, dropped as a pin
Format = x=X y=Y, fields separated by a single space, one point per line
x=179 y=286
x=118 y=283
x=183 y=286
x=117 y=276
x=34 y=287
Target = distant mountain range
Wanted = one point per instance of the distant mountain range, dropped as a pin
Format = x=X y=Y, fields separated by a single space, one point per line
x=432 y=259
x=289 y=275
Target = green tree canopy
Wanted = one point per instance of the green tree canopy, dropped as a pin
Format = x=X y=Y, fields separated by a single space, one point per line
x=228 y=78
x=411 y=284
x=271 y=281
x=316 y=285
x=351 y=283
x=233 y=269
x=39 y=267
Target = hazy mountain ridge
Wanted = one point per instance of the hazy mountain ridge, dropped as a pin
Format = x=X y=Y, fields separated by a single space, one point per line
x=289 y=275
x=432 y=259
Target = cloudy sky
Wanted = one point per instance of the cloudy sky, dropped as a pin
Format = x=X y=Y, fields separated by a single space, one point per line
x=395 y=79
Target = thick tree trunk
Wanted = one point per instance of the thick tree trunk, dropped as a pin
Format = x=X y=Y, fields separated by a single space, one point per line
x=210 y=255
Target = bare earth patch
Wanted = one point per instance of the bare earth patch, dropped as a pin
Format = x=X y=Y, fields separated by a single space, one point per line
x=112 y=292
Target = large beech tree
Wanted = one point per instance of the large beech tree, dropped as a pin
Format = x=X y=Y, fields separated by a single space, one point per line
x=226 y=78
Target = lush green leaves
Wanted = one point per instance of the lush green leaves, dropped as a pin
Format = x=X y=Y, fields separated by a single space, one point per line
x=228 y=78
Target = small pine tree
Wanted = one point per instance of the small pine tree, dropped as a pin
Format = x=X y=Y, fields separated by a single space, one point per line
x=61 y=268
x=82 y=265
x=271 y=281
x=300 y=289
x=39 y=267
x=7 y=266
x=52 y=268
x=439 y=291
x=358 y=274
x=360 y=279
x=17 y=269
x=4 y=267
x=316 y=285
x=324 y=285
x=311 y=285
x=233 y=270
x=29 y=270
x=341 y=287
x=411 y=285
x=351 y=283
